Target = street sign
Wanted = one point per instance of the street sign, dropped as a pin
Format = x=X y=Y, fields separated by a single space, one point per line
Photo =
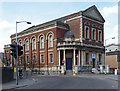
x=14 y=69
x=93 y=55
x=77 y=56
x=63 y=62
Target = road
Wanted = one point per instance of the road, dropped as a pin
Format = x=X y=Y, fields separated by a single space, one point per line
x=71 y=82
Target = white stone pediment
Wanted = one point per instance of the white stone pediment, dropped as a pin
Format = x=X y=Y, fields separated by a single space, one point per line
x=93 y=13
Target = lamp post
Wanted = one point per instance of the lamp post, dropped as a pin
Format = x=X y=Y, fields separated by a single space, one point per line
x=16 y=50
x=105 y=49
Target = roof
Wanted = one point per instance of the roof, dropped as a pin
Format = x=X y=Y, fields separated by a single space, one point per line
x=113 y=45
x=68 y=34
x=91 y=12
x=113 y=53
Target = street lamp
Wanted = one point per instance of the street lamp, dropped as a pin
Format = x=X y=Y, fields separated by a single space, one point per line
x=105 y=49
x=16 y=50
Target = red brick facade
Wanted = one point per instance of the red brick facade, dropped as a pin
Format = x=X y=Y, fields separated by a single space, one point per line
x=57 y=29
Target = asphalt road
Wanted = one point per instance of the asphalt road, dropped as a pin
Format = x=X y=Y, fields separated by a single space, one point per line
x=70 y=82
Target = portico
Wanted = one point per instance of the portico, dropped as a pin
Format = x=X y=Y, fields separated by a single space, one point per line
x=76 y=54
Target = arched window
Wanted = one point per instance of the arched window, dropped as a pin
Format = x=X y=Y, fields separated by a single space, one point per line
x=93 y=34
x=100 y=36
x=34 y=44
x=27 y=45
x=20 y=43
x=34 y=59
x=50 y=41
x=87 y=32
x=20 y=60
x=42 y=43
x=27 y=59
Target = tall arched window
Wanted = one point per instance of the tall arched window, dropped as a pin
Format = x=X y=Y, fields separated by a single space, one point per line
x=27 y=45
x=93 y=34
x=87 y=32
x=50 y=41
x=42 y=43
x=34 y=44
x=20 y=43
x=100 y=36
x=34 y=59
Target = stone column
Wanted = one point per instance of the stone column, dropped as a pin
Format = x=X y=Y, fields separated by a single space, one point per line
x=64 y=57
x=79 y=57
x=59 y=56
x=74 y=57
x=82 y=58
x=90 y=58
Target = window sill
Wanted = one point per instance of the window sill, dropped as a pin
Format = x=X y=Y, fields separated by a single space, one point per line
x=93 y=40
x=27 y=51
x=50 y=62
x=87 y=39
x=50 y=47
x=99 y=41
x=41 y=48
x=42 y=63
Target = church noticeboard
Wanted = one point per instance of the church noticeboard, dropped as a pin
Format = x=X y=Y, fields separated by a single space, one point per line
x=93 y=55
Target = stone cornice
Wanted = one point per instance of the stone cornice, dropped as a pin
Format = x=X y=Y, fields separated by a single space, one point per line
x=42 y=26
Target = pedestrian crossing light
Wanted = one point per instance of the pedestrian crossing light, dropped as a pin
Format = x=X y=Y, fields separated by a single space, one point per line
x=20 y=50
x=13 y=49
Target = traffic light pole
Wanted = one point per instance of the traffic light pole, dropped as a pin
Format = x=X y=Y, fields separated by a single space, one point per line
x=16 y=58
x=17 y=51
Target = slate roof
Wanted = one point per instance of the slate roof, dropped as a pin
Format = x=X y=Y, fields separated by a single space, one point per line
x=68 y=34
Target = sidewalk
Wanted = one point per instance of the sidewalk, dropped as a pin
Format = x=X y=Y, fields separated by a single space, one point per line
x=107 y=76
x=21 y=83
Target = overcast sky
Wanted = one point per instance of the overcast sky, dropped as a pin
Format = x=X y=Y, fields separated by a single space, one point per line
x=39 y=12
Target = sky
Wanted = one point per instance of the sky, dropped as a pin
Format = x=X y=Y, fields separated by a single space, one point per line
x=40 y=12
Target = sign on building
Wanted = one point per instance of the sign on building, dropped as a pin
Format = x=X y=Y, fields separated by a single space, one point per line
x=93 y=55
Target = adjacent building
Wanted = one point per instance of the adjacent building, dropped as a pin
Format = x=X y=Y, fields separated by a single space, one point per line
x=73 y=40
x=112 y=55
x=1 y=59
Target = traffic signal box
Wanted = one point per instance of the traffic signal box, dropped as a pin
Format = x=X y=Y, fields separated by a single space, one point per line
x=20 y=50
x=13 y=49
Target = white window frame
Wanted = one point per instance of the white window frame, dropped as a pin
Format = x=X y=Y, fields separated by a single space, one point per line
x=50 y=42
x=20 y=43
x=41 y=58
x=34 y=55
x=21 y=60
x=94 y=34
x=41 y=43
x=50 y=58
x=26 y=45
x=27 y=59
x=88 y=33
x=100 y=39
x=7 y=51
x=33 y=44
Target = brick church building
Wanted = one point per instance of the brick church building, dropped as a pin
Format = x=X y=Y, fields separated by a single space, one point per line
x=73 y=40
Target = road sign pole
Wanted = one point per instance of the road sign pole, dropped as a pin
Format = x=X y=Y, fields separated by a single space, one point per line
x=16 y=58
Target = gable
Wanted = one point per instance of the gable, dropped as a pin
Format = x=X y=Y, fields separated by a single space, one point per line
x=93 y=12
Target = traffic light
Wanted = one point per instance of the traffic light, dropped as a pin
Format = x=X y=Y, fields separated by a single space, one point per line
x=13 y=49
x=20 y=50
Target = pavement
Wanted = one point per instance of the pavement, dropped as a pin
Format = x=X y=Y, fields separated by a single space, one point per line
x=21 y=83
x=29 y=81
x=110 y=77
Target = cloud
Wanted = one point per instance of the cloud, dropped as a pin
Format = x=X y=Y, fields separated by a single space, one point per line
x=6 y=26
x=111 y=25
x=6 y=29
x=110 y=10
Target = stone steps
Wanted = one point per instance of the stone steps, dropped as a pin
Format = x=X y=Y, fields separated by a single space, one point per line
x=69 y=72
